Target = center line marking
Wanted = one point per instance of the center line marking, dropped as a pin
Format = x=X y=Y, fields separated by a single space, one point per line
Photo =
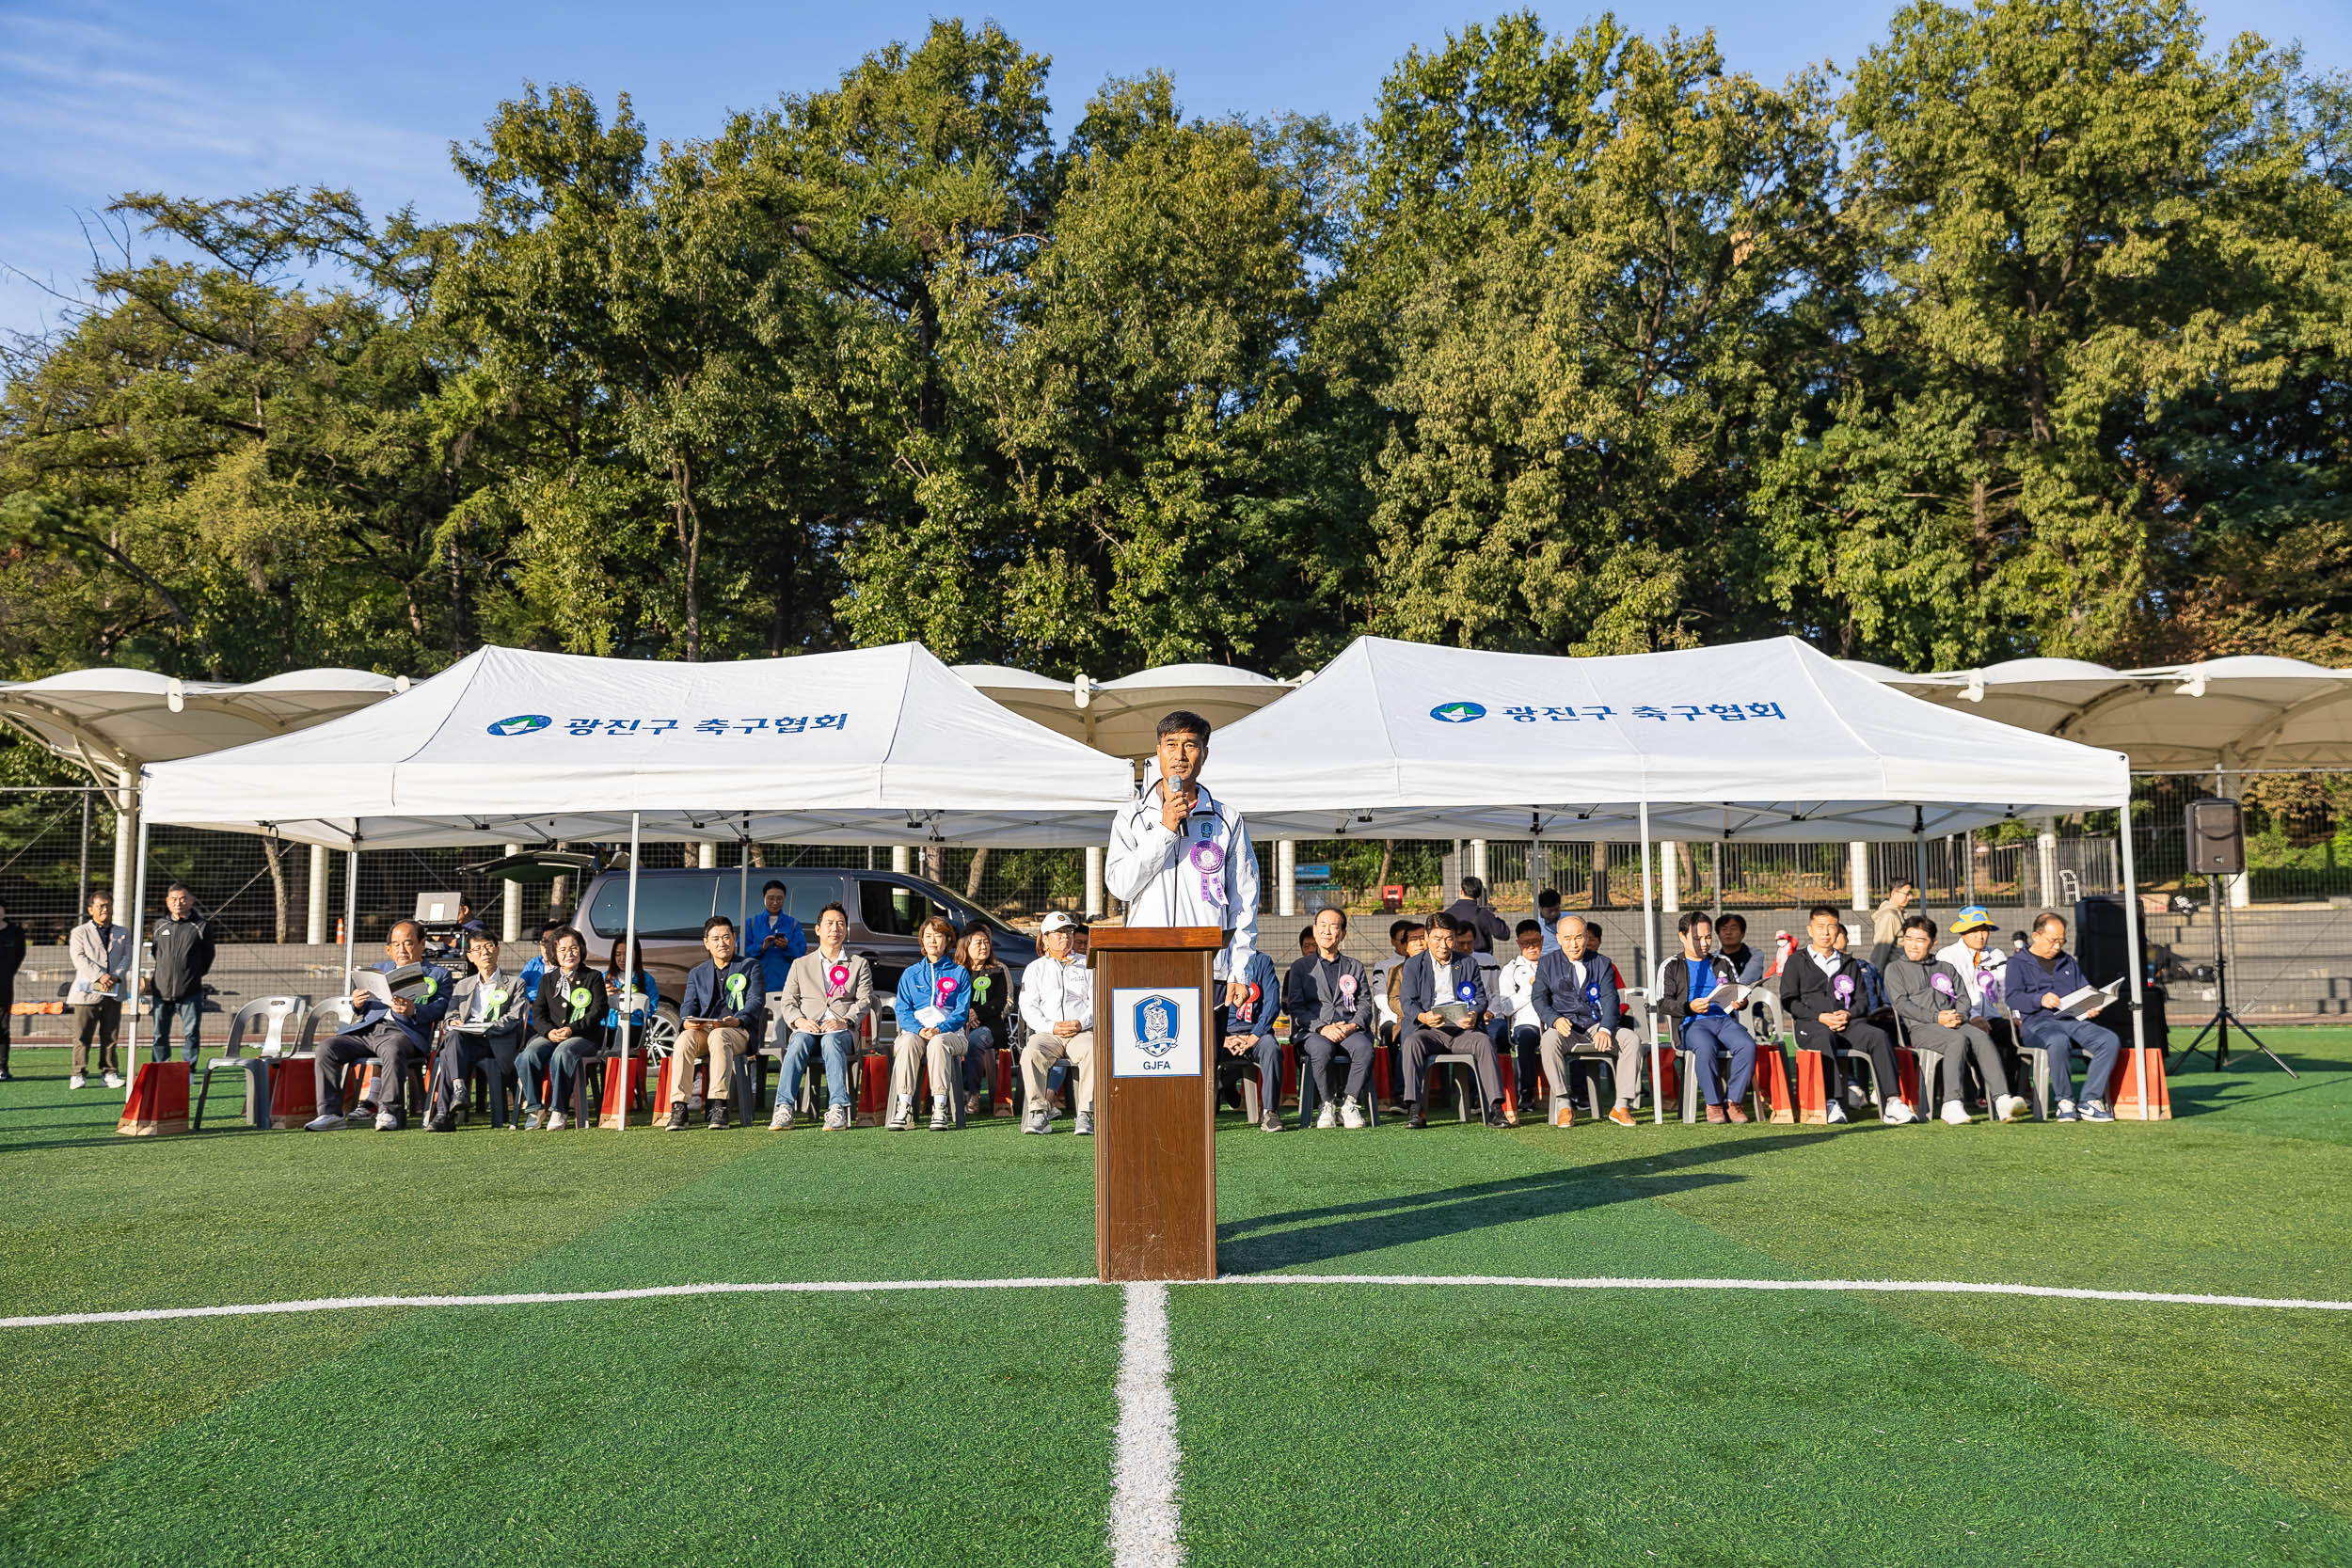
x=1145 y=1457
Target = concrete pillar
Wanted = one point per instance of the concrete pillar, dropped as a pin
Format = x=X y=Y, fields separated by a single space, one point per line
x=2046 y=862
x=315 y=898
x=707 y=856
x=1095 y=903
x=902 y=858
x=1538 y=872
x=126 y=847
x=511 y=904
x=1478 y=859
x=1286 y=876
x=1858 y=872
x=1670 y=882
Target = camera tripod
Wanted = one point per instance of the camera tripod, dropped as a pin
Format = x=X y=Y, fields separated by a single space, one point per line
x=2218 y=1025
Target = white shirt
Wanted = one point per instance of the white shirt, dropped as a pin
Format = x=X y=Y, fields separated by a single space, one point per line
x=478 y=1010
x=1441 y=980
x=1056 y=990
x=1515 y=984
x=1993 y=961
x=1161 y=876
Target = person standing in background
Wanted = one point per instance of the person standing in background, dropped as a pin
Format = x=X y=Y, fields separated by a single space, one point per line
x=11 y=959
x=183 y=946
x=773 y=937
x=100 y=951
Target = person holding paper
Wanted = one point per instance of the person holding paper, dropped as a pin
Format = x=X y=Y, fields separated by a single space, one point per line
x=718 y=1019
x=1442 y=999
x=986 y=1030
x=1821 y=990
x=486 y=1014
x=1575 y=995
x=934 y=1003
x=1931 y=998
x=1057 y=1009
x=1333 y=1002
x=1244 y=1033
x=773 y=937
x=393 y=1021
x=566 y=1029
x=2054 y=1005
x=827 y=995
x=1700 y=994
x=1180 y=856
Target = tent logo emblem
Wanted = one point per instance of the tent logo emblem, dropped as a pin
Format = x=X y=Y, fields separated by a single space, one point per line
x=1458 y=713
x=521 y=723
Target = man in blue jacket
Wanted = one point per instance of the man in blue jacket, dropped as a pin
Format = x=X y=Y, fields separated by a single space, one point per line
x=1446 y=972
x=395 y=1036
x=1245 y=1032
x=2039 y=979
x=773 y=937
x=719 y=1017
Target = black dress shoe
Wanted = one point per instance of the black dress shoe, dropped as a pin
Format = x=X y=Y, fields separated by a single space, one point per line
x=1419 y=1118
x=1495 y=1116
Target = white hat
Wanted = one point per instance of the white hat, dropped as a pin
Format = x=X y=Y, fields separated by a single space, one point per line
x=1061 y=920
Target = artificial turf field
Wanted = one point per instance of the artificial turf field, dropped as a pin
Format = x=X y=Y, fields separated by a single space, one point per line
x=1357 y=1423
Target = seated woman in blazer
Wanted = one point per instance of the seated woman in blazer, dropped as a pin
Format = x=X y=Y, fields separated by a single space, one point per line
x=566 y=1029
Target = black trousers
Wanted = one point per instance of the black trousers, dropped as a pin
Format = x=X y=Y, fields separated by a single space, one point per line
x=1479 y=1046
x=1866 y=1037
x=383 y=1042
x=453 y=1069
x=1321 y=1053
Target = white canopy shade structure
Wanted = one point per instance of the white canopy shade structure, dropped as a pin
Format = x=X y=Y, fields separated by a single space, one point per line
x=1121 y=716
x=506 y=745
x=114 y=721
x=1766 y=740
x=2241 y=714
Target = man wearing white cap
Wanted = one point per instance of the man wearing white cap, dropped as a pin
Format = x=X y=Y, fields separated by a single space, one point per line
x=1181 y=857
x=1058 y=1010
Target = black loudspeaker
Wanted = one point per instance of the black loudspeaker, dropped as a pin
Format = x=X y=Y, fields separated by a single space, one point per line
x=2099 y=940
x=2216 y=839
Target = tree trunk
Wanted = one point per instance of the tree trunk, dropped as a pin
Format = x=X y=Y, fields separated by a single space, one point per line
x=456 y=598
x=1388 y=863
x=690 y=543
x=935 y=863
x=283 y=896
x=972 y=875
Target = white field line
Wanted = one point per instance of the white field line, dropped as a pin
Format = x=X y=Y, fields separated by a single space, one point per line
x=1144 y=1456
x=543 y=1298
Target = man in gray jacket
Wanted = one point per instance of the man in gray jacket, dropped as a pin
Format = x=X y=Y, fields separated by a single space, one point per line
x=100 y=951
x=1332 y=996
x=827 y=993
x=1931 y=997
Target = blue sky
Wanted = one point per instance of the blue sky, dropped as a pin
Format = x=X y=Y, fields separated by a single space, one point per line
x=215 y=100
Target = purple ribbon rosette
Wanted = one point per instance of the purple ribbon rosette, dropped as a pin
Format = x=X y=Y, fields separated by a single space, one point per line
x=1843 y=986
x=1209 y=860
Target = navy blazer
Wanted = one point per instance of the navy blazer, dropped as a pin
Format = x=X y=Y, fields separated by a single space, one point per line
x=1416 y=990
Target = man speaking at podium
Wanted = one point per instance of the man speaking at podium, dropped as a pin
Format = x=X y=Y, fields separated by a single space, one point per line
x=1181 y=857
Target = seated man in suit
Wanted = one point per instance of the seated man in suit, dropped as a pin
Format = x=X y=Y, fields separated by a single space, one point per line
x=1245 y=1033
x=395 y=1036
x=2039 y=979
x=1447 y=974
x=1576 y=998
x=1332 y=1005
x=827 y=992
x=493 y=1008
x=1822 y=992
x=719 y=1018
x=1710 y=1035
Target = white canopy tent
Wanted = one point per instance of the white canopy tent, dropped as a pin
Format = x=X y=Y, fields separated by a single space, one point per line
x=1122 y=717
x=1768 y=740
x=842 y=748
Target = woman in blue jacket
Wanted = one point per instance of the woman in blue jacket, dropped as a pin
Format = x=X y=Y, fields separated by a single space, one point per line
x=934 y=1003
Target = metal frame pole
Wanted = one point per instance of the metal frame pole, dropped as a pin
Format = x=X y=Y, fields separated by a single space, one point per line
x=351 y=910
x=131 y=988
x=2131 y=950
x=1649 y=936
x=628 y=962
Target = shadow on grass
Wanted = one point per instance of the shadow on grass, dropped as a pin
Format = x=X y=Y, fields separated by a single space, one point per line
x=1263 y=1243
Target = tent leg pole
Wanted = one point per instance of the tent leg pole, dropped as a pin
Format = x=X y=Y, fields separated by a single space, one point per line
x=351 y=910
x=743 y=879
x=629 y=962
x=130 y=990
x=2131 y=951
x=1650 y=938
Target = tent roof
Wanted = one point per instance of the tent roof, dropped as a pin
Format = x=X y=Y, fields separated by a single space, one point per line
x=114 y=721
x=845 y=748
x=1122 y=717
x=1756 y=740
x=2248 y=711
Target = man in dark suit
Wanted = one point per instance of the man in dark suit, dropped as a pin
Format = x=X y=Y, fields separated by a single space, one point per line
x=1446 y=972
x=1822 y=990
x=1484 y=926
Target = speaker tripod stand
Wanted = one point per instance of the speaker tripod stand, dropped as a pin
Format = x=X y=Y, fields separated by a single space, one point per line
x=2218 y=1025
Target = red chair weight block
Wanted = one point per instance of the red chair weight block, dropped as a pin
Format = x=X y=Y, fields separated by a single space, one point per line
x=158 y=1102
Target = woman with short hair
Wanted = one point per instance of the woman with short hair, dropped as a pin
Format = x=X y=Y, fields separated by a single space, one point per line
x=934 y=1004
x=984 y=1033
x=567 y=1028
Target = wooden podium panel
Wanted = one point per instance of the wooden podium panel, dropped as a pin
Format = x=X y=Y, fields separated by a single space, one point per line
x=1154 y=1160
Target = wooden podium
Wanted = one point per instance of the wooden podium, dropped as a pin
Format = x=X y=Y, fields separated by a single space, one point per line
x=1154 y=1102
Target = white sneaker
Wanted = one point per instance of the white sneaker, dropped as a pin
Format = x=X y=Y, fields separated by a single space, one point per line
x=387 y=1122
x=1955 y=1113
x=1351 y=1113
x=1328 y=1116
x=837 y=1119
x=113 y=1080
x=2009 y=1107
x=1896 y=1114
x=782 y=1121
x=76 y=1082
x=556 y=1121
x=327 y=1123
x=1037 y=1124
x=901 y=1114
x=943 y=1118
x=1836 y=1114
x=1085 y=1124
